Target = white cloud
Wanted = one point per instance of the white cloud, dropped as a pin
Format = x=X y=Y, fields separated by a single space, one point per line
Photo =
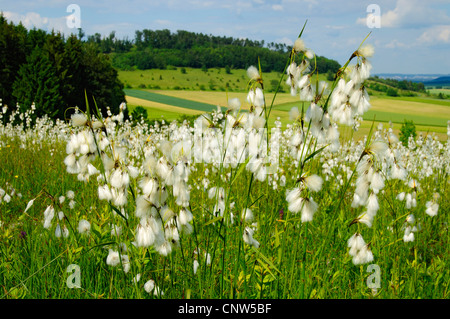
x=409 y=13
x=393 y=44
x=163 y=22
x=277 y=7
x=285 y=40
x=32 y=20
x=29 y=20
x=435 y=35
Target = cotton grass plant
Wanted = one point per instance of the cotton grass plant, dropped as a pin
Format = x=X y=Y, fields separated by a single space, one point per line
x=226 y=208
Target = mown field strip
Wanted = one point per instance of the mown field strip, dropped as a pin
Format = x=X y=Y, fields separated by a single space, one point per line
x=418 y=119
x=416 y=107
x=170 y=100
x=422 y=100
x=221 y=98
x=155 y=109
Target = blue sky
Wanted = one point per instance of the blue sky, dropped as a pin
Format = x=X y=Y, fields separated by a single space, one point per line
x=413 y=35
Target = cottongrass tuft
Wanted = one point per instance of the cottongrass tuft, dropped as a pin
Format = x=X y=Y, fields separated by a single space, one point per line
x=84 y=227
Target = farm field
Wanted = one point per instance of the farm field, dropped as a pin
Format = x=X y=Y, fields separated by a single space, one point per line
x=429 y=115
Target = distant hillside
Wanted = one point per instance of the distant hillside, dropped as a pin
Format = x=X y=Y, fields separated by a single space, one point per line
x=393 y=86
x=442 y=80
x=409 y=77
x=161 y=48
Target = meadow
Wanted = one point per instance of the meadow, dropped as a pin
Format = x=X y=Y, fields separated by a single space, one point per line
x=192 y=79
x=239 y=205
x=444 y=91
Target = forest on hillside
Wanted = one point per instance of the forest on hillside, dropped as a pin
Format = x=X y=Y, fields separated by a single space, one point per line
x=152 y=49
x=406 y=85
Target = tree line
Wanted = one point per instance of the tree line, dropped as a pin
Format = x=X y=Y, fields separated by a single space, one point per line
x=162 y=48
x=54 y=73
x=402 y=85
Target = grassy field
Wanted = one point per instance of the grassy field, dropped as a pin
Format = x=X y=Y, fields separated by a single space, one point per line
x=194 y=79
x=445 y=91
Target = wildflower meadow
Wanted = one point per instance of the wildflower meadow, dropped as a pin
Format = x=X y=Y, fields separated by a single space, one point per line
x=227 y=208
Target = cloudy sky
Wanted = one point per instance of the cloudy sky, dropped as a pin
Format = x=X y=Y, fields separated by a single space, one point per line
x=409 y=36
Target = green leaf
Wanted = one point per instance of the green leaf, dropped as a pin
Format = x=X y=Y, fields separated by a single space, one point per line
x=240 y=170
x=213 y=220
x=303 y=29
x=99 y=245
x=118 y=212
x=95 y=229
x=266 y=262
x=313 y=154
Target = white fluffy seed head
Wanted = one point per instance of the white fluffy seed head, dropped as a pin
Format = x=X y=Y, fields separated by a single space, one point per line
x=356 y=242
x=366 y=51
x=253 y=73
x=363 y=256
x=78 y=119
x=104 y=193
x=309 y=54
x=195 y=266
x=378 y=148
x=247 y=214
x=149 y=286
x=84 y=226
x=377 y=182
x=366 y=218
x=145 y=236
x=372 y=204
x=185 y=216
x=299 y=45
x=308 y=210
x=314 y=182
x=113 y=258
x=248 y=237
x=432 y=208
x=294 y=113
x=234 y=104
